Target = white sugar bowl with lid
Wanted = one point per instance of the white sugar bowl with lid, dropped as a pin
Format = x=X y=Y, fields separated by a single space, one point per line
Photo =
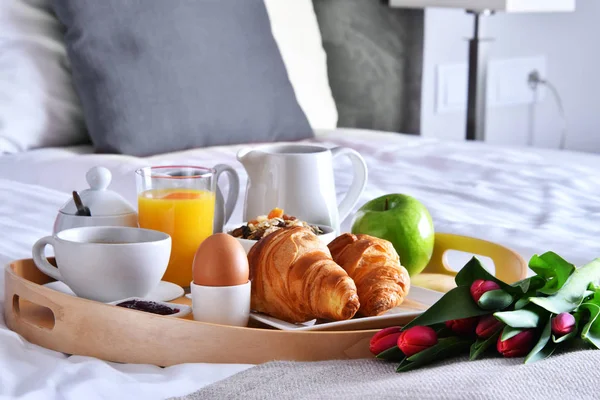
x=102 y=207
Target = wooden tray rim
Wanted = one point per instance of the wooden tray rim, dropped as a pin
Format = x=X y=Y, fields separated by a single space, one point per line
x=111 y=334
x=250 y=345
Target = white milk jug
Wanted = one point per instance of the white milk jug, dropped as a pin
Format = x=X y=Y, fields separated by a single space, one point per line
x=299 y=179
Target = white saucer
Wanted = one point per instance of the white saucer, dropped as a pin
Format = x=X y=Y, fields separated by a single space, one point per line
x=165 y=291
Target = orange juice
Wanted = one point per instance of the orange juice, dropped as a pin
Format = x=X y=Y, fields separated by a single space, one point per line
x=185 y=214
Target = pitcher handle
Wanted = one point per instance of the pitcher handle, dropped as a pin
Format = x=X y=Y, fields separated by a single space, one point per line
x=223 y=214
x=359 y=181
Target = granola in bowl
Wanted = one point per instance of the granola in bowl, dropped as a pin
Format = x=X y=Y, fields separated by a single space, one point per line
x=265 y=224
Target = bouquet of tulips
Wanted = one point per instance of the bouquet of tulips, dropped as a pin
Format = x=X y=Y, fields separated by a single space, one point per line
x=532 y=318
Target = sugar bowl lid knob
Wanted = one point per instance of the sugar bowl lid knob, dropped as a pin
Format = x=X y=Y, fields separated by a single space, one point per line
x=100 y=200
x=98 y=178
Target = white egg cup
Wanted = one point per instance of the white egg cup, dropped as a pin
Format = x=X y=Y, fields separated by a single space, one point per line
x=223 y=305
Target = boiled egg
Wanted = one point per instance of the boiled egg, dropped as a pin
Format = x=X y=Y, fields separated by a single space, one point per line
x=220 y=261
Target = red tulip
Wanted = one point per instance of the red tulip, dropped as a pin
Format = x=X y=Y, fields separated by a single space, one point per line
x=518 y=345
x=487 y=326
x=562 y=324
x=384 y=339
x=416 y=339
x=463 y=326
x=479 y=287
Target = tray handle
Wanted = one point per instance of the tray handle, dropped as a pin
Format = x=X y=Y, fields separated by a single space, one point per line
x=42 y=317
x=510 y=266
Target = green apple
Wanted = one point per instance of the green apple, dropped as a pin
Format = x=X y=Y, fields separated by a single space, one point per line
x=405 y=222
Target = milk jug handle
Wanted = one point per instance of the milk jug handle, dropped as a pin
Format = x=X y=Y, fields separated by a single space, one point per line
x=359 y=181
x=223 y=213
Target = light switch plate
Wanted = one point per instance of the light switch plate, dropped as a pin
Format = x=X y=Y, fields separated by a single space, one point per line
x=451 y=88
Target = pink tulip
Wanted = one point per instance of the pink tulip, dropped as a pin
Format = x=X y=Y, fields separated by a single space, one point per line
x=487 y=326
x=518 y=345
x=384 y=339
x=416 y=339
x=463 y=326
x=562 y=324
x=479 y=287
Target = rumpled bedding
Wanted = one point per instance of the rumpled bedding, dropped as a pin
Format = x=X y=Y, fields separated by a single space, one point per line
x=531 y=200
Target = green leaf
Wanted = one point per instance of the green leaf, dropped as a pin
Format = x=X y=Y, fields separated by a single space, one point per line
x=402 y=364
x=473 y=270
x=591 y=330
x=553 y=269
x=509 y=332
x=528 y=317
x=544 y=347
x=522 y=302
x=593 y=288
x=571 y=294
x=455 y=304
x=531 y=284
x=564 y=338
x=444 y=348
x=441 y=329
x=495 y=300
x=525 y=298
x=442 y=344
x=529 y=290
x=523 y=285
x=391 y=354
x=481 y=345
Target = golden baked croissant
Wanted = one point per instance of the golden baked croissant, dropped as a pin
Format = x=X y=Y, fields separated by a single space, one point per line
x=295 y=279
x=373 y=263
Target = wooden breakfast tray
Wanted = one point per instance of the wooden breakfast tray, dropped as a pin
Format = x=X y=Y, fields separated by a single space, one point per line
x=78 y=326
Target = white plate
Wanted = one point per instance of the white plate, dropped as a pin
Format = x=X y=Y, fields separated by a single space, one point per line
x=417 y=301
x=327 y=236
x=165 y=291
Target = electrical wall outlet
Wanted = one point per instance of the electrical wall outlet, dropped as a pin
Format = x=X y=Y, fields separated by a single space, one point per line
x=508 y=81
x=507 y=84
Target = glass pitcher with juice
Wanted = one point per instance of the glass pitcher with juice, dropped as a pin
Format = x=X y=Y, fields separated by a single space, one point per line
x=184 y=202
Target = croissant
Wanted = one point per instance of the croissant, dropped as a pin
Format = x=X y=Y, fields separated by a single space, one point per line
x=374 y=265
x=295 y=279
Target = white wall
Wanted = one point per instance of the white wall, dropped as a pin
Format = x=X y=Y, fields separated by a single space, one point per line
x=571 y=44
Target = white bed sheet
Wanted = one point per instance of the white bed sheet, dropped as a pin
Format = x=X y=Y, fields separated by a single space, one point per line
x=530 y=200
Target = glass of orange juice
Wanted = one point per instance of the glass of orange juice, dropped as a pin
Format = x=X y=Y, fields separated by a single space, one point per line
x=184 y=202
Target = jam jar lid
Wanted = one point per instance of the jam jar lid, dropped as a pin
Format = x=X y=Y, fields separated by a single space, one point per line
x=97 y=198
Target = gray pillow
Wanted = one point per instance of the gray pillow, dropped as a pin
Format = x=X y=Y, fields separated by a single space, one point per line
x=156 y=76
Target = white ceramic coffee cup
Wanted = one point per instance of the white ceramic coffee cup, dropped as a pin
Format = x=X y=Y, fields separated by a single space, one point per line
x=223 y=305
x=106 y=263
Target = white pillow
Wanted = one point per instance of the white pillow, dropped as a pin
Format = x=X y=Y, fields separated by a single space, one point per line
x=296 y=31
x=38 y=104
